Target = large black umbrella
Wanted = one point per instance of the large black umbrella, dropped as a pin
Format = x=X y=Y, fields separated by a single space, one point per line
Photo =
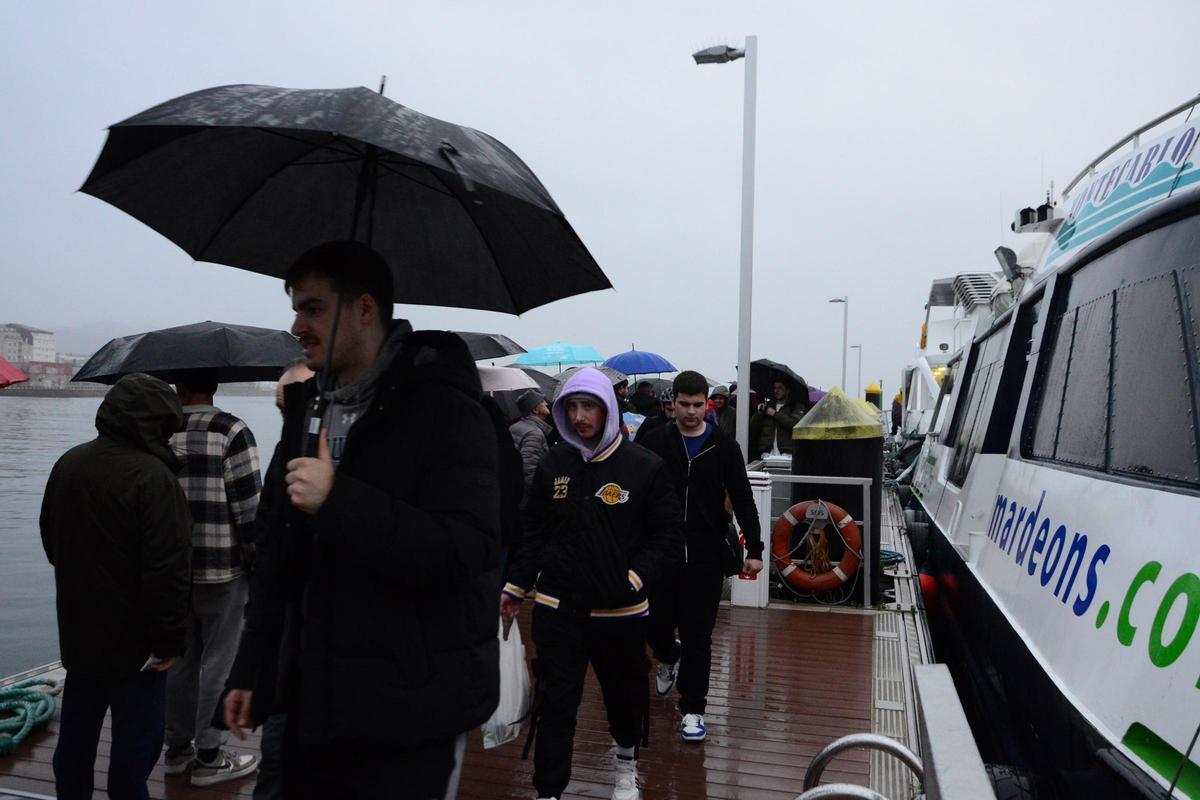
x=489 y=345
x=237 y=353
x=764 y=372
x=546 y=383
x=252 y=176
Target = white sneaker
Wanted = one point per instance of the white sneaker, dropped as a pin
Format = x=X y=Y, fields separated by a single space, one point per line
x=664 y=679
x=692 y=728
x=228 y=766
x=626 y=786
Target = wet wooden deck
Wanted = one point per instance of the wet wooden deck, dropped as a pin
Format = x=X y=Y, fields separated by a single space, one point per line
x=785 y=682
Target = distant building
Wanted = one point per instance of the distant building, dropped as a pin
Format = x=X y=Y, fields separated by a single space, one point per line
x=76 y=359
x=23 y=344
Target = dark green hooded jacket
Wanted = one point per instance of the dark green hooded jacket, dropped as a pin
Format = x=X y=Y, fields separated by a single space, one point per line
x=116 y=527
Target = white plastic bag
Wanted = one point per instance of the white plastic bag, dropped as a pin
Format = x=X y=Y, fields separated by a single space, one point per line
x=516 y=694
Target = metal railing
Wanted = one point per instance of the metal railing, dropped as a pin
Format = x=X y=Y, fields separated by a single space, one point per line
x=869 y=741
x=864 y=525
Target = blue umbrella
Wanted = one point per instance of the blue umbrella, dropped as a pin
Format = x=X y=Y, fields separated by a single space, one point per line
x=559 y=353
x=639 y=362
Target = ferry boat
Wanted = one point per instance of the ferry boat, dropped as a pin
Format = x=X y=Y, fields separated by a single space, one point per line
x=1060 y=476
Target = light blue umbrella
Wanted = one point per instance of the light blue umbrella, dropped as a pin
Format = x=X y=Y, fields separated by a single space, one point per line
x=639 y=362
x=559 y=353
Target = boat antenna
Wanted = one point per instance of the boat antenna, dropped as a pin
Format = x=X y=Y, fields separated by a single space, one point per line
x=382 y=83
x=1183 y=762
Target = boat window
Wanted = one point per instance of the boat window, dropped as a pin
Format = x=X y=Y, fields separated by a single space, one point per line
x=947 y=387
x=1116 y=387
x=979 y=400
x=1082 y=430
x=1149 y=339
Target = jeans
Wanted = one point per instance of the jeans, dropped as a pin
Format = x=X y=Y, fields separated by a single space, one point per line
x=195 y=683
x=269 y=784
x=138 y=722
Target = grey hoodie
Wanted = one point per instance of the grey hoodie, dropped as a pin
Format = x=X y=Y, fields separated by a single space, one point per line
x=348 y=403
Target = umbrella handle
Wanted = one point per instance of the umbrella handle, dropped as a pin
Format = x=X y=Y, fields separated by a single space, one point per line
x=312 y=430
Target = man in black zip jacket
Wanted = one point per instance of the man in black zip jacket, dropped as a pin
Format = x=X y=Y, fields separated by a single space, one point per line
x=603 y=527
x=706 y=467
x=372 y=617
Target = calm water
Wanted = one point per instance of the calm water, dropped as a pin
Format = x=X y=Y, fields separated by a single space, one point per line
x=34 y=432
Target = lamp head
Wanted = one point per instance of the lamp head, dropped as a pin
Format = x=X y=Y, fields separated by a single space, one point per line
x=720 y=54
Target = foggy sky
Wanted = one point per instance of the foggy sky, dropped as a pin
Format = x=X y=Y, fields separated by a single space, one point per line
x=895 y=141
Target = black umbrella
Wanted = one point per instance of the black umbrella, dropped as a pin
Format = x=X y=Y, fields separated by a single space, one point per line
x=546 y=383
x=489 y=345
x=252 y=176
x=237 y=353
x=764 y=372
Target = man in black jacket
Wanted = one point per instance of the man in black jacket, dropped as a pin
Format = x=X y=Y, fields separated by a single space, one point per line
x=602 y=526
x=372 y=615
x=706 y=467
x=116 y=527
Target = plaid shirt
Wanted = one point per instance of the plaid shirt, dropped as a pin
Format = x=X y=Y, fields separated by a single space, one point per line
x=220 y=478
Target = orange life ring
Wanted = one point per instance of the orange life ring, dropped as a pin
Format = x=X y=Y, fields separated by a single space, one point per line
x=781 y=540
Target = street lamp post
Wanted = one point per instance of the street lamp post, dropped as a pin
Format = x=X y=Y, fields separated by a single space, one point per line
x=858 y=385
x=845 y=301
x=722 y=54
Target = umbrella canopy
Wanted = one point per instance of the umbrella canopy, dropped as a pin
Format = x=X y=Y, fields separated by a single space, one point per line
x=503 y=379
x=10 y=374
x=613 y=376
x=253 y=176
x=764 y=372
x=639 y=362
x=489 y=345
x=545 y=383
x=237 y=353
x=559 y=353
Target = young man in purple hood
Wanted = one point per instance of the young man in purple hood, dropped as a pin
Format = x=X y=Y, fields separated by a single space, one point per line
x=603 y=526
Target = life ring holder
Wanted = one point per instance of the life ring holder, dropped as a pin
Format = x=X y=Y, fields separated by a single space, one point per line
x=817 y=514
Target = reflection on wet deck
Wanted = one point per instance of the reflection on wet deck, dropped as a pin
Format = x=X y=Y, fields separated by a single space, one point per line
x=785 y=682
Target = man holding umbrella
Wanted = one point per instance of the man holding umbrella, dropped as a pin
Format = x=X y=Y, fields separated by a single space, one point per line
x=380 y=556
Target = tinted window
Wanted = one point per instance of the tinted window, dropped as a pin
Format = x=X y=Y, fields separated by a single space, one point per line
x=1082 y=434
x=1150 y=373
x=1116 y=389
x=981 y=392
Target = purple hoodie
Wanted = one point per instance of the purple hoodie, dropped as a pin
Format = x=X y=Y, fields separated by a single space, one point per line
x=592 y=382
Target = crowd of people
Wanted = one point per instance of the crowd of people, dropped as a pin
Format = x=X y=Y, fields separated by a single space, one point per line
x=195 y=601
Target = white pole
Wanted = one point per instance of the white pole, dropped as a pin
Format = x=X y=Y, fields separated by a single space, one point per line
x=845 y=334
x=858 y=385
x=745 y=286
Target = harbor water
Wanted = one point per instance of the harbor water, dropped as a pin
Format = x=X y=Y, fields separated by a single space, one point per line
x=34 y=432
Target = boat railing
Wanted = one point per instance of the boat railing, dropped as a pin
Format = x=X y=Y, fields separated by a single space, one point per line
x=1132 y=137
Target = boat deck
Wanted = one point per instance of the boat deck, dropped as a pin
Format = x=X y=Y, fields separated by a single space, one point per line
x=786 y=681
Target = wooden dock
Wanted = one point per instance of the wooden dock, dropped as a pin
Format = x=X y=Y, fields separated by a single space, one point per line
x=785 y=682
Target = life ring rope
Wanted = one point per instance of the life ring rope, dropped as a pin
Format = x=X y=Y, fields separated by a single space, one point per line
x=782 y=551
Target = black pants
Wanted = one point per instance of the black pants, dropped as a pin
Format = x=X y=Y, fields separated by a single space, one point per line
x=565 y=644
x=688 y=603
x=138 y=726
x=363 y=771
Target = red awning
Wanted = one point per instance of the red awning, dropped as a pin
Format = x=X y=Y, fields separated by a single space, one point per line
x=10 y=374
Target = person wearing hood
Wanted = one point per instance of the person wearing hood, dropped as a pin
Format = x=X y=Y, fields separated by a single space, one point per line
x=379 y=556
x=116 y=528
x=726 y=414
x=603 y=527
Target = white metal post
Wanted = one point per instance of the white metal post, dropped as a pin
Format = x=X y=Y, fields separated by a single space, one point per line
x=845 y=336
x=746 y=283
